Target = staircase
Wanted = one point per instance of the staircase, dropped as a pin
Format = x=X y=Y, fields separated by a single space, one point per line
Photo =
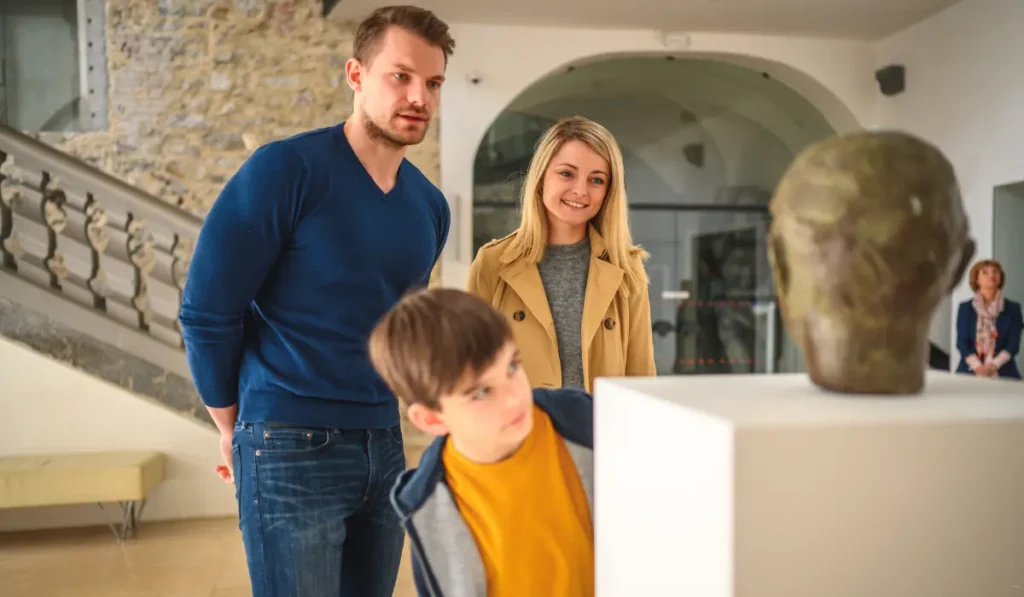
x=92 y=271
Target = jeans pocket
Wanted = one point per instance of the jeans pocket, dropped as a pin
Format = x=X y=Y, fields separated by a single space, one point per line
x=294 y=440
x=395 y=433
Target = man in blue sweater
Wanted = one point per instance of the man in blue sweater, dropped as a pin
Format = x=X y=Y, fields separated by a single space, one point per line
x=308 y=245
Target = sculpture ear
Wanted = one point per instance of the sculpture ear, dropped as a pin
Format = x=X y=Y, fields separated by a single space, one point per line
x=777 y=257
x=965 y=258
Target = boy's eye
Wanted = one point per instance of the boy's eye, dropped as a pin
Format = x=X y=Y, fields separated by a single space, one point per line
x=513 y=367
x=481 y=393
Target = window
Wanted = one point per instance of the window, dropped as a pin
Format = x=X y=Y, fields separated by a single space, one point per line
x=50 y=79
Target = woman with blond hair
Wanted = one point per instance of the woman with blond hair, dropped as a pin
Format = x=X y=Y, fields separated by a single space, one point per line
x=988 y=327
x=570 y=279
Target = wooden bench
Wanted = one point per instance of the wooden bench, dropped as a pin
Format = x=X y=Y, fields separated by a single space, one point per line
x=127 y=478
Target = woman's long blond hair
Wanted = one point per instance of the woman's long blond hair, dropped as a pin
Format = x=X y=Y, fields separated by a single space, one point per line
x=611 y=221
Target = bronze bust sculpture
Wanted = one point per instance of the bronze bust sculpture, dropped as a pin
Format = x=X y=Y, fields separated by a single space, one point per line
x=868 y=234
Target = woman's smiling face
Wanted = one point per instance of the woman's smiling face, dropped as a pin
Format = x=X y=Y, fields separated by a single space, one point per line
x=575 y=185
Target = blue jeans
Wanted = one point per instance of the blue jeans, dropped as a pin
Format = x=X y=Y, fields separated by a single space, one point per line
x=315 y=511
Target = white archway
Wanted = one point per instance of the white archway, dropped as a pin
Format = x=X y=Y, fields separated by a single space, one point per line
x=493 y=65
x=655 y=105
x=693 y=132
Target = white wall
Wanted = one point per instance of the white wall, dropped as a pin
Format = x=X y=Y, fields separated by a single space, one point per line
x=509 y=59
x=47 y=406
x=701 y=87
x=965 y=93
x=651 y=136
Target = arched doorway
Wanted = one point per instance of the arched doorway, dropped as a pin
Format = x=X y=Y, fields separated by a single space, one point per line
x=704 y=144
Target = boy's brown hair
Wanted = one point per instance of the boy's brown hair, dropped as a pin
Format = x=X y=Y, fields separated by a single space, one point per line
x=413 y=19
x=432 y=339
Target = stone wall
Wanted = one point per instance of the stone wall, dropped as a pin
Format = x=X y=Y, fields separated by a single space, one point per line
x=196 y=85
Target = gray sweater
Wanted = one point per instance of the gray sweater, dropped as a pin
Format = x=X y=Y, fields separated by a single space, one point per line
x=563 y=272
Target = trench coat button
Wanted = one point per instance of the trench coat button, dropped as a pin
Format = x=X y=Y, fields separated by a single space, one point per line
x=519 y=316
x=609 y=323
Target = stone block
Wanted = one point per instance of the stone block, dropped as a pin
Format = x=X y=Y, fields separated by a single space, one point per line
x=179 y=147
x=127 y=13
x=224 y=141
x=253 y=7
x=184 y=8
x=221 y=82
x=188 y=121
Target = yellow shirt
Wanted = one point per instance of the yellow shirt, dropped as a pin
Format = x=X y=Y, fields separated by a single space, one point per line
x=529 y=516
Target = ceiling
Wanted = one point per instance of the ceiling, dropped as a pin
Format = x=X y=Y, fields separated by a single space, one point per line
x=863 y=19
x=699 y=89
x=705 y=87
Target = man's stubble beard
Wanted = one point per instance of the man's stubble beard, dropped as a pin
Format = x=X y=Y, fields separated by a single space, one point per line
x=380 y=135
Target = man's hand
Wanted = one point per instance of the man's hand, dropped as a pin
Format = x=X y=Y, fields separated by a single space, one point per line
x=224 y=419
x=226 y=470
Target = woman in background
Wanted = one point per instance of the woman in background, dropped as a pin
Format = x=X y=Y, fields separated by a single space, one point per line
x=570 y=279
x=988 y=327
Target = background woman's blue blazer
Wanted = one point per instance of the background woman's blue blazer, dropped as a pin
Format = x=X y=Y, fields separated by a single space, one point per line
x=1008 y=328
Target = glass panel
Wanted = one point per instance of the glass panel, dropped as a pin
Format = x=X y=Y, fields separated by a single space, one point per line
x=712 y=301
x=504 y=155
x=40 y=63
x=713 y=305
x=494 y=222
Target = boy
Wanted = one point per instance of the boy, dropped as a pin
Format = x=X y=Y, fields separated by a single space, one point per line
x=501 y=503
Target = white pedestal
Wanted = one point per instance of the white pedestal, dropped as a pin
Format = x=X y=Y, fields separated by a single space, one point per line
x=766 y=486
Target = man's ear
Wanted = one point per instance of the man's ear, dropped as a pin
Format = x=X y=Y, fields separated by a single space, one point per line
x=427 y=420
x=354 y=74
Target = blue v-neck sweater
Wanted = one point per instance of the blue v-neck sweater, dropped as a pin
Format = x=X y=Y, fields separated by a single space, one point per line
x=299 y=257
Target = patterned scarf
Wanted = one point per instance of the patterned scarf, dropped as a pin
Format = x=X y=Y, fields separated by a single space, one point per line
x=985 y=341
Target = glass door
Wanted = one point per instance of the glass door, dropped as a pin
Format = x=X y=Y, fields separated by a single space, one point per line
x=713 y=305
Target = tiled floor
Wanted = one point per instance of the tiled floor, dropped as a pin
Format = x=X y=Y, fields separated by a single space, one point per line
x=183 y=559
x=180 y=559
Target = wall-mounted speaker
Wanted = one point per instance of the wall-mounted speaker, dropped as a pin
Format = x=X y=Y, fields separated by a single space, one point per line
x=891 y=79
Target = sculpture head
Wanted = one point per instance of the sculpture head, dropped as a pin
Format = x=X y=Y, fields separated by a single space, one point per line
x=868 y=235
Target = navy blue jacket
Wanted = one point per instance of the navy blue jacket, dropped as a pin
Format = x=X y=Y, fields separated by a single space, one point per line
x=1008 y=328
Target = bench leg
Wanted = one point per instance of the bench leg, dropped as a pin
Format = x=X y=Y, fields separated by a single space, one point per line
x=131 y=513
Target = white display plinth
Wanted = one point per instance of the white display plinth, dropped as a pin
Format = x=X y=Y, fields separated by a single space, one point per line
x=766 y=486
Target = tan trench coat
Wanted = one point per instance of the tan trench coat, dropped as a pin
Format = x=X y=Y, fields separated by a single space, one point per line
x=616 y=327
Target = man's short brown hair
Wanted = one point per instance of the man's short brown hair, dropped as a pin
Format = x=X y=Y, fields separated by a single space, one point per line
x=976 y=270
x=432 y=339
x=413 y=19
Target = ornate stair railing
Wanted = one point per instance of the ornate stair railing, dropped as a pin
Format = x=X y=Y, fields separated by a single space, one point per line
x=108 y=250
